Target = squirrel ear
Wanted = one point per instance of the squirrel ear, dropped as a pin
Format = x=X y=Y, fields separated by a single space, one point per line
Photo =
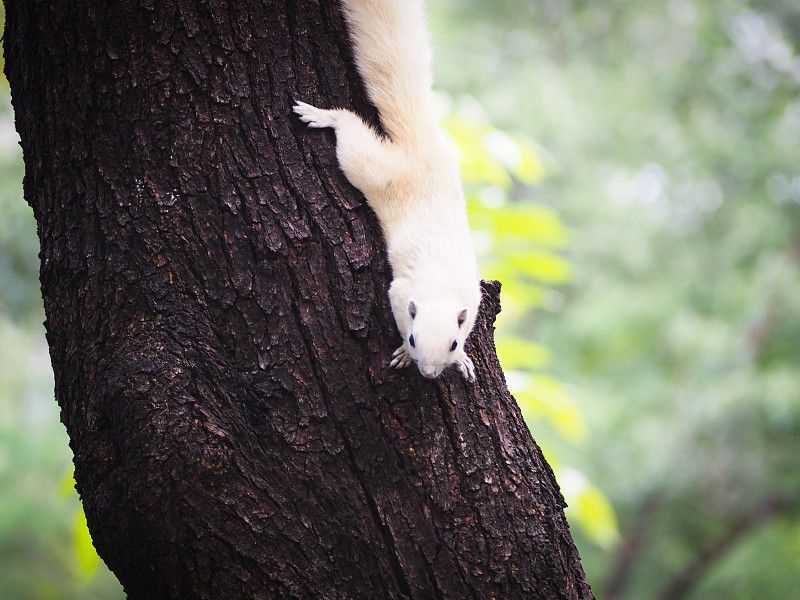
x=462 y=317
x=412 y=308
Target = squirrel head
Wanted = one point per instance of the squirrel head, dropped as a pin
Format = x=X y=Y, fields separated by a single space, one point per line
x=436 y=334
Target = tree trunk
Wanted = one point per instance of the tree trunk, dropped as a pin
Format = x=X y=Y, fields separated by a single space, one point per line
x=220 y=332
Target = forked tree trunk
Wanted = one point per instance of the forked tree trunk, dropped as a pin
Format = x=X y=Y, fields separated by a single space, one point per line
x=218 y=321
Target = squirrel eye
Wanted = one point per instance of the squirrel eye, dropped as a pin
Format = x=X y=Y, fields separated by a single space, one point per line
x=454 y=346
x=411 y=341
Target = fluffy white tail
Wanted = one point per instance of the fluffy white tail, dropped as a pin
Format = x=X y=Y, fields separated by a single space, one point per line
x=393 y=56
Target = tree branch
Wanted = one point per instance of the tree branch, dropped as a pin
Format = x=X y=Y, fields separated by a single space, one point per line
x=716 y=550
x=629 y=549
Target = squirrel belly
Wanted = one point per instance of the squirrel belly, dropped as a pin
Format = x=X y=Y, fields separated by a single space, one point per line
x=411 y=181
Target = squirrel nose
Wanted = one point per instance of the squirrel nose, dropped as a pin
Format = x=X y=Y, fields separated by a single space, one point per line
x=429 y=372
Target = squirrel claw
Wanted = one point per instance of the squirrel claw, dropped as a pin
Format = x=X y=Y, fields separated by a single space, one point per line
x=400 y=358
x=466 y=368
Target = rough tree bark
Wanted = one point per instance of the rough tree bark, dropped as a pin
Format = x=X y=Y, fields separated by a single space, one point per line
x=219 y=327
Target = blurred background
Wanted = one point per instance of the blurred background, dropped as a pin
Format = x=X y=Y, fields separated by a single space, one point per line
x=633 y=178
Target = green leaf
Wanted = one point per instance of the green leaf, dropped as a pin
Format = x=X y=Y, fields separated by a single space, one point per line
x=589 y=508
x=530 y=168
x=66 y=487
x=490 y=156
x=477 y=165
x=544 y=397
x=518 y=158
x=531 y=222
x=519 y=353
x=519 y=294
x=87 y=559
x=543 y=266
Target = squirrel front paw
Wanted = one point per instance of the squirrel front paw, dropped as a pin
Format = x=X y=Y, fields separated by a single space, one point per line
x=315 y=117
x=401 y=358
x=466 y=368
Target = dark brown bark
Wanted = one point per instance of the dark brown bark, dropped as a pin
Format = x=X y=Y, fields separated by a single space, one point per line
x=220 y=332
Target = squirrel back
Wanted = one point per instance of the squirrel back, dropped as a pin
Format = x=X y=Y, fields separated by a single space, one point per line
x=393 y=56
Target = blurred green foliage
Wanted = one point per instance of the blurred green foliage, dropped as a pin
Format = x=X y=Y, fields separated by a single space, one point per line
x=519 y=242
x=672 y=342
x=633 y=180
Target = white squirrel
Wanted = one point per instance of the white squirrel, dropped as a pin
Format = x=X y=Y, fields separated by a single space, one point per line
x=412 y=182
